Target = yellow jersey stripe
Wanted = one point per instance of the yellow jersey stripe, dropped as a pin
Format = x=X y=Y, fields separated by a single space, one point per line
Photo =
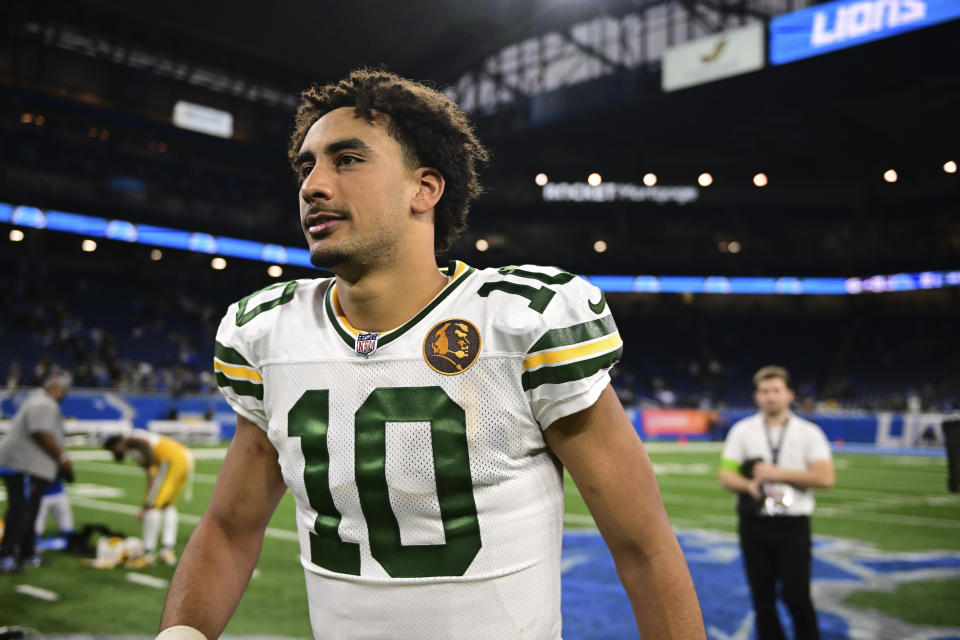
x=340 y=317
x=573 y=353
x=235 y=371
x=461 y=268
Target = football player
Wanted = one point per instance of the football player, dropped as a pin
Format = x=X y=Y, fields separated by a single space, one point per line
x=420 y=415
x=169 y=466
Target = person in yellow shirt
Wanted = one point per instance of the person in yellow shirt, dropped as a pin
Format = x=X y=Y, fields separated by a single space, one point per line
x=169 y=466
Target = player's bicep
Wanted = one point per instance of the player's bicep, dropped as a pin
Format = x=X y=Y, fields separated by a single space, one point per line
x=250 y=483
x=610 y=466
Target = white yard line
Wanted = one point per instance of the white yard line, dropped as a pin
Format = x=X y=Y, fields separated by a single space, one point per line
x=147 y=581
x=37 y=592
x=185 y=518
x=215 y=453
x=127 y=470
x=577 y=518
x=848 y=512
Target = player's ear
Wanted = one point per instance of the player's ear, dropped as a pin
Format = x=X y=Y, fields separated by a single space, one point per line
x=430 y=187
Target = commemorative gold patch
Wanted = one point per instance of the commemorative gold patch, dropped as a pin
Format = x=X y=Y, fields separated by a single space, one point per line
x=451 y=346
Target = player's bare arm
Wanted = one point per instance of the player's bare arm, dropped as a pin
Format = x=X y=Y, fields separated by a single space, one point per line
x=819 y=475
x=223 y=550
x=607 y=461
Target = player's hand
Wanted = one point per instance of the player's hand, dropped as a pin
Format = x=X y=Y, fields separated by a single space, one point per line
x=766 y=472
x=140 y=514
x=66 y=469
x=753 y=488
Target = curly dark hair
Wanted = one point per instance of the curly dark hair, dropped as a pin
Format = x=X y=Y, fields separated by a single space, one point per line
x=431 y=129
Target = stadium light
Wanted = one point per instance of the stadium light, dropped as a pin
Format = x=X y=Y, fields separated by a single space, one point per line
x=890 y=175
x=723 y=246
x=89 y=245
x=705 y=179
x=104 y=134
x=760 y=180
x=26 y=118
x=482 y=244
x=950 y=166
x=90 y=226
x=218 y=263
x=733 y=247
x=156 y=255
x=39 y=120
x=594 y=180
x=92 y=132
x=541 y=179
x=274 y=271
x=599 y=246
x=650 y=179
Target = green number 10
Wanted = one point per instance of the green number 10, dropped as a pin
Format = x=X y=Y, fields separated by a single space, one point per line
x=309 y=418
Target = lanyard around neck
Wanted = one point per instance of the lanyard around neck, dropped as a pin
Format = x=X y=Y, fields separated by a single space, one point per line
x=775 y=450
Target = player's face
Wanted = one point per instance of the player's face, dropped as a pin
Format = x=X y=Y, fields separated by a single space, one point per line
x=355 y=191
x=773 y=396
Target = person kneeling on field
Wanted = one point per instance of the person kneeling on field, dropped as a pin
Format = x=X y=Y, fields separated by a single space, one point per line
x=169 y=466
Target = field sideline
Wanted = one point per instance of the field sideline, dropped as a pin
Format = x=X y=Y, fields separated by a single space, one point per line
x=888 y=536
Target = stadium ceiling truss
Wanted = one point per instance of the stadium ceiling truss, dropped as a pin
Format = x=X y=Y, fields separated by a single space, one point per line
x=92 y=45
x=609 y=44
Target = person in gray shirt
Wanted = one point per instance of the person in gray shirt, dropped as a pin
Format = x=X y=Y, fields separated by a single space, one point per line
x=33 y=454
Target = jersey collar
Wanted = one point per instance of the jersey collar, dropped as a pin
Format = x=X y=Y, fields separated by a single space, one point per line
x=456 y=270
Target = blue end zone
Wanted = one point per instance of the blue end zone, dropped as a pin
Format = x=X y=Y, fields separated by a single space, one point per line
x=595 y=606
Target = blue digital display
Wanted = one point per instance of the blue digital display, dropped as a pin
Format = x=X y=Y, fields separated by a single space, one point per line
x=25 y=216
x=847 y=23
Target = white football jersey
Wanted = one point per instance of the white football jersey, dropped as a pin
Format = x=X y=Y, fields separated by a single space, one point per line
x=428 y=504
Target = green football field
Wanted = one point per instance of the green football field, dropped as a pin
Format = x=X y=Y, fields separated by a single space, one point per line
x=896 y=503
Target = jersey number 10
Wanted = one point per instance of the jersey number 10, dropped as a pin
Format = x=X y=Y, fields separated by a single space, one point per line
x=309 y=419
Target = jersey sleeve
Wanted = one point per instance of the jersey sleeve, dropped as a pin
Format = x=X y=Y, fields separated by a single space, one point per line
x=733 y=450
x=237 y=377
x=567 y=366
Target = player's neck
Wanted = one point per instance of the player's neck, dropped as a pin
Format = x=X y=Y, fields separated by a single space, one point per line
x=385 y=298
x=774 y=420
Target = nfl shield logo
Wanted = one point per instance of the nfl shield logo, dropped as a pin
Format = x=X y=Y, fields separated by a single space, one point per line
x=367 y=343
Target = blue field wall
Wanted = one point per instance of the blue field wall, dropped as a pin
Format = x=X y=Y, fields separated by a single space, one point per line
x=881 y=429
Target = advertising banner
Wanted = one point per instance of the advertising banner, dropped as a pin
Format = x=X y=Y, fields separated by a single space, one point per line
x=847 y=23
x=675 y=422
x=717 y=56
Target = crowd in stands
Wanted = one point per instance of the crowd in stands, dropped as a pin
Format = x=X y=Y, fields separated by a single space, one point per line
x=154 y=339
x=156 y=335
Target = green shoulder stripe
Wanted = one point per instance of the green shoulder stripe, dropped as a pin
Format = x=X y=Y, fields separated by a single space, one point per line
x=241 y=387
x=224 y=353
x=562 y=277
x=569 y=372
x=575 y=334
x=732 y=465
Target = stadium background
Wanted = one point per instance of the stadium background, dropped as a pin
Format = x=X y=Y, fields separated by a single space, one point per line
x=560 y=87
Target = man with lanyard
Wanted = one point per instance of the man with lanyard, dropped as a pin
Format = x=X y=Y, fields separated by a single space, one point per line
x=773 y=460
